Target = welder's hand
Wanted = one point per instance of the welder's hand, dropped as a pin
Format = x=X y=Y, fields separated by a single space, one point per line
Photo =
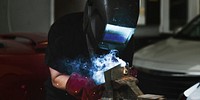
x=83 y=88
x=94 y=93
x=77 y=84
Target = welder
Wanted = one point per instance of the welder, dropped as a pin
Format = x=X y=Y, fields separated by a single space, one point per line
x=103 y=26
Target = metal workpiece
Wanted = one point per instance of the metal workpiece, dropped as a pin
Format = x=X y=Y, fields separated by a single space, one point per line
x=120 y=85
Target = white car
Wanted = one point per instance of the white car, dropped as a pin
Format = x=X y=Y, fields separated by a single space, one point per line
x=172 y=65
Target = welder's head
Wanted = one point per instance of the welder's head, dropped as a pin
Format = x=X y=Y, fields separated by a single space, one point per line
x=110 y=24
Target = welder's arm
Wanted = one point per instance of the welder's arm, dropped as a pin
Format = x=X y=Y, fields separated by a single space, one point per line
x=59 y=80
x=76 y=85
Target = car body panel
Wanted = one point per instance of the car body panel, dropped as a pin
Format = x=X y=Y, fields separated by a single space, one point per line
x=10 y=46
x=22 y=66
x=21 y=43
x=170 y=55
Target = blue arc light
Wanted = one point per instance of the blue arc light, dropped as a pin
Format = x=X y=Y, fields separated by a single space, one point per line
x=117 y=34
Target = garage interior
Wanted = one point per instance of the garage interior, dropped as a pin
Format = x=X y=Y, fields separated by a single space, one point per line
x=158 y=20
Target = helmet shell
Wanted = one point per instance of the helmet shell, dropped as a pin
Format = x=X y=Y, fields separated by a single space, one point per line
x=110 y=24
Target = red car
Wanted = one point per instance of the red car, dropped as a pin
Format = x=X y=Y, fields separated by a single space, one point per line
x=22 y=68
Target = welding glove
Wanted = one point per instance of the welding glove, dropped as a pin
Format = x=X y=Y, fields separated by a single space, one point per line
x=94 y=93
x=83 y=88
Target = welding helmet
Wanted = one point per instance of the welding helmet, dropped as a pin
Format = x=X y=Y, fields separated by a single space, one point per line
x=110 y=24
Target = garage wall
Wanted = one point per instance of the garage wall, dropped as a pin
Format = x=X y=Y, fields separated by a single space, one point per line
x=63 y=7
x=25 y=15
x=193 y=9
